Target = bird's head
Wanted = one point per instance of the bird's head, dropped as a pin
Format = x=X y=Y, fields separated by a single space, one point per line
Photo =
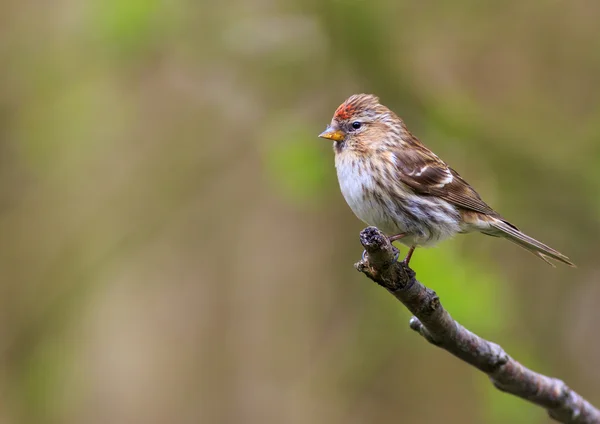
x=359 y=123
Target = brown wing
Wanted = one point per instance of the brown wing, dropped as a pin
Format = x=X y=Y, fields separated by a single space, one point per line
x=427 y=174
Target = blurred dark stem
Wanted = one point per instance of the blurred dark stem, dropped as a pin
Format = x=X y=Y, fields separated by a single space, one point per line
x=436 y=325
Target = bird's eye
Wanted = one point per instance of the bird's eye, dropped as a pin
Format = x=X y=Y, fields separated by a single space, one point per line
x=356 y=125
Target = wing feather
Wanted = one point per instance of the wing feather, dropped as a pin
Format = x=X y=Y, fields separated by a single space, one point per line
x=427 y=174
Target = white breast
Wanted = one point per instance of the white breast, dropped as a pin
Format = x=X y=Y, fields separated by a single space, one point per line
x=357 y=186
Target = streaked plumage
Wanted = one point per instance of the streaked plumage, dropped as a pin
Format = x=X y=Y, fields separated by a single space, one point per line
x=392 y=181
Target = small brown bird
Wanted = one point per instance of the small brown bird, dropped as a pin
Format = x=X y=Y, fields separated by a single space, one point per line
x=392 y=181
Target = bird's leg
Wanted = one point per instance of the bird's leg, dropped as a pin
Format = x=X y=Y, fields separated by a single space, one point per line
x=392 y=239
x=409 y=255
x=396 y=237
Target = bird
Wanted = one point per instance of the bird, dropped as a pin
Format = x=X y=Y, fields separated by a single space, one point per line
x=394 y=182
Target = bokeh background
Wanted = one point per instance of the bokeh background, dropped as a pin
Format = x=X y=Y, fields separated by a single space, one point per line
x=174 y=247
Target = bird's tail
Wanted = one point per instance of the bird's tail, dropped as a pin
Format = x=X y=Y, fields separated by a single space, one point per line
x=501 y=228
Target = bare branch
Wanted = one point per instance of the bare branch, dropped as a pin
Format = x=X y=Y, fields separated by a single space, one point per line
x=435 y=324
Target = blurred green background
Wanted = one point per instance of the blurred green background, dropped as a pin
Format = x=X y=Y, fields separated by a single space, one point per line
x=174 y=245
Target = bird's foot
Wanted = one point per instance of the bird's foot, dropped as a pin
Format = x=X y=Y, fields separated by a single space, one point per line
x=365 y=258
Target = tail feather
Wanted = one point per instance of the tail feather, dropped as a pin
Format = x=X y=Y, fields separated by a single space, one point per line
x=512 y=233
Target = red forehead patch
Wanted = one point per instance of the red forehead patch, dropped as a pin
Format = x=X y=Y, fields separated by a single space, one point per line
x=344 y=111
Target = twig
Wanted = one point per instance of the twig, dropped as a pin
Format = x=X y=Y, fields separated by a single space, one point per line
x=435 y=324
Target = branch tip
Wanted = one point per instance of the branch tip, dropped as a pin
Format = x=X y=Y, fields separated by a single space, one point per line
x=372 y=238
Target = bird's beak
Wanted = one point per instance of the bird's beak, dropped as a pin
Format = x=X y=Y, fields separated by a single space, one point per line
x=331 y=134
